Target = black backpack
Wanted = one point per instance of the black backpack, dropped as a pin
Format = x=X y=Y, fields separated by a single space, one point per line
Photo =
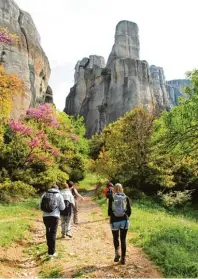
x=68 y=209
x=49 y=202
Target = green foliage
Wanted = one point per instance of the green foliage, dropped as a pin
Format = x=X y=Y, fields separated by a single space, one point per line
x=76 y=175
x=95 y=145
x=43 y=148
x=100 y=186
x=147 y=154
x=126 y=148
x=13 y=191
x=43 y=179
x=175 y=198
x=90 y=180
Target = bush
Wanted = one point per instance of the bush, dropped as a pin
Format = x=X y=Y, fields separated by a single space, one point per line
x=134 y=193
x=175 y=198
x=15 y=191
x=100 y=186
x=77 y=175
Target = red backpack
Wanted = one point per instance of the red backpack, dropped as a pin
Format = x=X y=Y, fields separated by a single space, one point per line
x=109 y=192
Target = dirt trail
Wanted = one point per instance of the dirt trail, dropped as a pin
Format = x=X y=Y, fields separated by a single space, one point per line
x=88 y=254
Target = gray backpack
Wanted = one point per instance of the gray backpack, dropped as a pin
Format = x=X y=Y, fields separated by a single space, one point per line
x=119 y=204
x=49 y=202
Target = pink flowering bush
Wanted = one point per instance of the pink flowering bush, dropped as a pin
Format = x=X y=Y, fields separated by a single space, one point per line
x=44 y=114
x=18 y=127
x=43 y=148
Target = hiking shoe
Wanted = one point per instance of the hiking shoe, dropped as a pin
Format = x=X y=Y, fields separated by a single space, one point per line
x=122 y=261
x=69 y=234
x=63 y=236
x=53 y=256
x=117 y=258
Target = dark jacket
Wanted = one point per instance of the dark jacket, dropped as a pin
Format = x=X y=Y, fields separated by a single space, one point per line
x=113 y=218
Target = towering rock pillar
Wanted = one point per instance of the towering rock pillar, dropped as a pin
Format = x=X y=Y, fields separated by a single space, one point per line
x=126 y=42
x=104 y=94
x=130 y=84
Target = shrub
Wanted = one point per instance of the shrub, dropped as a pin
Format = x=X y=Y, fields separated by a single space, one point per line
x=42 y=180
x=77 y=175
x=15 y=191
x=134 y=193
x=100 y=186
x=175 y=198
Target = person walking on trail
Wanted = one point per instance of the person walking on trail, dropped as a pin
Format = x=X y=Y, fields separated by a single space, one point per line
x=109 y=190
x=119 y=210
x=76 y=196
x=66 y=214
x=51 y=203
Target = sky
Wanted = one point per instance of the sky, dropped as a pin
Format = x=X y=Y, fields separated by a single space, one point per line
x=73 y=29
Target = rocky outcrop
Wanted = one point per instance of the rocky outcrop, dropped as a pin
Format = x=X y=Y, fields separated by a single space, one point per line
x=159 y=88
x=175 y=89
x=26 y=58
x=102 y=94
x=48 y=97
x=126 y=42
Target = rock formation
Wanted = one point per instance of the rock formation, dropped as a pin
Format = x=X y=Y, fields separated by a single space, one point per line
x=26 y=58
x=102 y=94
x=175 y=89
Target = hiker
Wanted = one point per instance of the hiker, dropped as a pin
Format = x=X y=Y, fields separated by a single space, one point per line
x=51 y=204
x=119 y=210
x=76 y=197
x=66 y=214
x=109 y=190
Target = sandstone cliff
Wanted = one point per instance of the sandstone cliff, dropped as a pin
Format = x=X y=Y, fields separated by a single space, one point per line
x=26 y=58
x=102 y=94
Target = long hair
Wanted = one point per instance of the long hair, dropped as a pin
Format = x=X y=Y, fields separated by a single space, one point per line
x=118 y=188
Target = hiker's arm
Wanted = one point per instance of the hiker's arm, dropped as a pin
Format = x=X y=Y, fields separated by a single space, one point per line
x=72 y=200
x=78 y=195
x=128 y=211
x=41 y=201
x=61 y=202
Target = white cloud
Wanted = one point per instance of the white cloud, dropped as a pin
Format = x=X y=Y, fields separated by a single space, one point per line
x=73 y=29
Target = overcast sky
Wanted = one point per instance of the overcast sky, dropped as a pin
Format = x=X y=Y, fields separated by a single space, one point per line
x=73 y=29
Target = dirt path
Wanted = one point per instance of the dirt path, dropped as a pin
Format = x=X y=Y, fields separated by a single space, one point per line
x=88 y=254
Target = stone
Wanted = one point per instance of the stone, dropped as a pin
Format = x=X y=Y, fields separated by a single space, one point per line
x=103 y=93
x=126 y=42
x=159 y=88
x=86 y=71
x=26 y=58
x=175 y=89
x=48 y=97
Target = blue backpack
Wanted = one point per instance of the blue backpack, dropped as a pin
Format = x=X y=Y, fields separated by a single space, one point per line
x=119 y=204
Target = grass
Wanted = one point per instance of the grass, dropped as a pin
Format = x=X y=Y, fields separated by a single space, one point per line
x=19 y=209
x=89 y=181
x=15 y=221
x=52 y=271
x=13 y=231
x=170 y=238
